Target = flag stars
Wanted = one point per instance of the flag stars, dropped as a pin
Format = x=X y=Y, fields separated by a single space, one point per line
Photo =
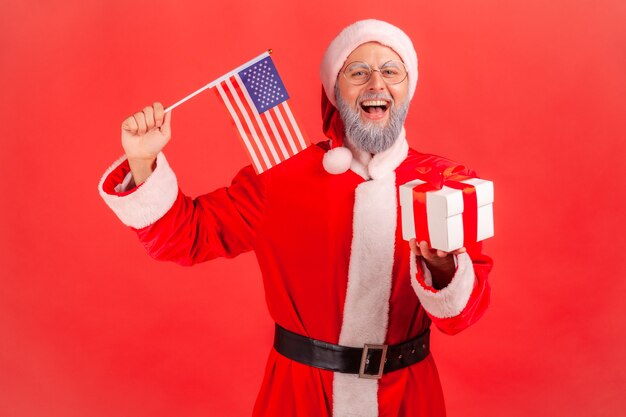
x=263 y=84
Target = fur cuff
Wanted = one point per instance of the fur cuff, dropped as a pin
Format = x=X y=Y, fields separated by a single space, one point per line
x=144 y=205
x=451 y=300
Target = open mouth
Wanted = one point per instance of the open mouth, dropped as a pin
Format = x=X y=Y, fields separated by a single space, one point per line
x=375 y=107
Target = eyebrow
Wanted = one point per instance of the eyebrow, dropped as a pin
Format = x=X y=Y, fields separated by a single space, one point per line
x=365 y=64
x=357 y=63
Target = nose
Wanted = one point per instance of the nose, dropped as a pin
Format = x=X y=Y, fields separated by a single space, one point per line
x=376 y=81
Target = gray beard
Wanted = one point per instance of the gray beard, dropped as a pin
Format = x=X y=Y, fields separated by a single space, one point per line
x=369 y=136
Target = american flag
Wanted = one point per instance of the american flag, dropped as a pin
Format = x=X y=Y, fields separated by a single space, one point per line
x=256 y=99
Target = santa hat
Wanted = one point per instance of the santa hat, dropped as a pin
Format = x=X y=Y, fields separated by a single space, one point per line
x=338 y=159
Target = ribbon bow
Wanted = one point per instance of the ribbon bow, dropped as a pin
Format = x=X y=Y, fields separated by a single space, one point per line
x=435 y=178
x=438 y=177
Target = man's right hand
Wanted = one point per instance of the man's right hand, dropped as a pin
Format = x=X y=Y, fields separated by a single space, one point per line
x=144 y=135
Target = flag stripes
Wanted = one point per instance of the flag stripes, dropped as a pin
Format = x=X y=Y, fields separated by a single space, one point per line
x=242 y=132
x=269 y=124
x=247 y=122
x=292 y=121
x=250 y=105
x=269 y=138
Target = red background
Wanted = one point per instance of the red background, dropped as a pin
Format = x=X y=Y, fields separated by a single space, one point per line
x=531 y=94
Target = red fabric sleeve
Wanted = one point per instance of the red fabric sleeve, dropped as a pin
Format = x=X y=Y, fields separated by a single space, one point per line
x=218 y=224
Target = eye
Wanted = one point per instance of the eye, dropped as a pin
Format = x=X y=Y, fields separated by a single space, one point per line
x=389 y=72
x=357 y=70
x=358 y=75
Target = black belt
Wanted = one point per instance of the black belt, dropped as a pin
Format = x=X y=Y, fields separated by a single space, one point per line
x=370 y=361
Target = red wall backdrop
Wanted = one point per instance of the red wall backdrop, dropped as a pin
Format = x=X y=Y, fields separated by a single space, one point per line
x=532 y=94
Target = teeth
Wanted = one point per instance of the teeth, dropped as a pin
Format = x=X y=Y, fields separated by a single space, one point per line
x=369 y=103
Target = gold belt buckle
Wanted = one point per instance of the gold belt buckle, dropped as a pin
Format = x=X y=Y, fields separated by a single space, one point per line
x=365 y=361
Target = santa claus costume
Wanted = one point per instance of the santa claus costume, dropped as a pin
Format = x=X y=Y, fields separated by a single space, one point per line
x=329 y=245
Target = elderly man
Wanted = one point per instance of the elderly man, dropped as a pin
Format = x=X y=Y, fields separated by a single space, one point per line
x=353 y=317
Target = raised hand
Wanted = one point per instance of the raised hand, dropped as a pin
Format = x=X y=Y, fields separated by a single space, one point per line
x=144 y=135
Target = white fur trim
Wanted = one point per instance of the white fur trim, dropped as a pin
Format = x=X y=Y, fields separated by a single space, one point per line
x=360 y=160
x=451 y=300
x=354 y=396
x=366 y=309
x=361 y=32
x=337 y=160
x=149 y=202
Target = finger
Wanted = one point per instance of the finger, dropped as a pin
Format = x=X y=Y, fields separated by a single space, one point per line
x=460 y=250
x=148 y=111
x=130 y=125
x=140 y=118
x=414 y=248
x=441 y=254
x=158 y=114
x=425 y=250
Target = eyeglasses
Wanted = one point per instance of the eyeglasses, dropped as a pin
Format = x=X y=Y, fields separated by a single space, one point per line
x=358 y=73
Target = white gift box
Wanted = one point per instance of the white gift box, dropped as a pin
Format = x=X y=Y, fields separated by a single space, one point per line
x=444 y=216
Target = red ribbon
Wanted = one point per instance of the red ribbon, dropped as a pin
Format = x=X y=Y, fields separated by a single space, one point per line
x=420 y=217
x=435 y=180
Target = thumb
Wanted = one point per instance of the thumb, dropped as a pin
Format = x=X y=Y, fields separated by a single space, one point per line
x=166 y=127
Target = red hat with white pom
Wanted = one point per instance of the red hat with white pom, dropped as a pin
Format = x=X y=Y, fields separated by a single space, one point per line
x=338 y=159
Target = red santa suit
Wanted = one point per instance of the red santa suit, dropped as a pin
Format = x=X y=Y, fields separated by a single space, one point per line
x=334 y=266
x=330 y=249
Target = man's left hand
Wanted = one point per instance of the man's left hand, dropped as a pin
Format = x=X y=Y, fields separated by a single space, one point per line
x=440 y=263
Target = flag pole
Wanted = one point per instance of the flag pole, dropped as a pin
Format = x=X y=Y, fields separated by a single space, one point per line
x=220 y=79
